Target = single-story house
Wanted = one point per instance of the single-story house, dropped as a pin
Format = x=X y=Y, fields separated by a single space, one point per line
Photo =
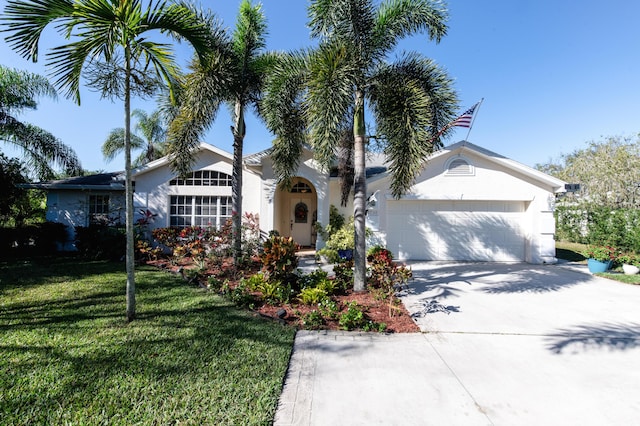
x=467 y=204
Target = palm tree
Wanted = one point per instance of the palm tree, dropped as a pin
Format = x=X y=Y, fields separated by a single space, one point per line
x=113 y=33
x=152 y=142
x=42 y=151
x=320 y=96
x=233 y=76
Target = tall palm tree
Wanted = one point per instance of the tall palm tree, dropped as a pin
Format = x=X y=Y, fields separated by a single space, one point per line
x=321 y=96
x=42 y=151
x=114 y=33
x=233 y=76
x=152 y=142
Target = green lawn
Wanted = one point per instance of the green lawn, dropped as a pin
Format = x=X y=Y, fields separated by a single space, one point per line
x=67 y=355
x=619 y=276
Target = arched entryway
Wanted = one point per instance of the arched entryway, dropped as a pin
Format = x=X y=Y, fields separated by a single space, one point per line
x=297 y=209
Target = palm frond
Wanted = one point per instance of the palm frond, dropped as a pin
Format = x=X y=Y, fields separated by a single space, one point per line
x=39 y=146
x=409 y=98
x=204 y=91
x=18 y=89
x=114 y=144
x=249 y=36
x=397 y=19
x=283 y=112
x=27 y=19
x=330 y=99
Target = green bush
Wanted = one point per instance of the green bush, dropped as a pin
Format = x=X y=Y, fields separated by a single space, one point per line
x=240 y=294
x=40 y=238
x=312 y=296
x=329 y=309
x=599 y=225
x=353 y=318
x=275 y=292
x=101 y=242
x=343 y=275
x=312 y=320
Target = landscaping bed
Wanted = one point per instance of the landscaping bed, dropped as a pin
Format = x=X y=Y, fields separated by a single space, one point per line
x=375 y=308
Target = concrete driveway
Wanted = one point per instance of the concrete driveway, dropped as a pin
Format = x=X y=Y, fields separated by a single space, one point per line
x=502 y=344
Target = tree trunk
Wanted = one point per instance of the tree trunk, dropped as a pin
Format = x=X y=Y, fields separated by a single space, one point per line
x=236 y=181
x=130 y=255
x=359 y=196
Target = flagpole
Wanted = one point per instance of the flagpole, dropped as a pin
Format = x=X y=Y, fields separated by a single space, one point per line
x=473 y=118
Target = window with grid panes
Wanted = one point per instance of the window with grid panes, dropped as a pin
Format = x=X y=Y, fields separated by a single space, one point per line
x=98 y=209
x=203 y=178
x=199 y=210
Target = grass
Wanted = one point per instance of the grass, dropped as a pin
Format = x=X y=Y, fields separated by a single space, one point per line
x=570 y=251
x=617 y=276
x=67 y=355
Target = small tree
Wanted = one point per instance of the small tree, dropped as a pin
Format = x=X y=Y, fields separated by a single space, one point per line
x=152 y=142
x=320 y=97
x=233 y=74
x=111 y=39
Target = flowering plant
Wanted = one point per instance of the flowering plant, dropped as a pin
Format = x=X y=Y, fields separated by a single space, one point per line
x=629 y=259
x=600 y=253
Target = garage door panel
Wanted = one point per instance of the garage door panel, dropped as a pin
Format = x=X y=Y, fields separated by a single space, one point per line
x=456 y=230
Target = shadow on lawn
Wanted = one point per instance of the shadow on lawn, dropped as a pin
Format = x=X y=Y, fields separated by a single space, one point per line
x=588 y=337
x=80 y=350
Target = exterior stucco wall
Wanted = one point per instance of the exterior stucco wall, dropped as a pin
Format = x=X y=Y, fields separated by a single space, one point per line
x=489 y=181
x=153 y=192
x=71 y=208
x=274 y=211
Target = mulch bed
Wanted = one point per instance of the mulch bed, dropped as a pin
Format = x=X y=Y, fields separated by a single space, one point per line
x=399 y=321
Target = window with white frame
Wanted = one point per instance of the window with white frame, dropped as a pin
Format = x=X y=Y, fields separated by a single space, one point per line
x=199 y=210
x=98 y=209
x=203 y=178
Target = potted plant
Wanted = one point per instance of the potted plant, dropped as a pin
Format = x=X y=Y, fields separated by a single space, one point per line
x=629 y=263
x=340 y=244
x=599 y=258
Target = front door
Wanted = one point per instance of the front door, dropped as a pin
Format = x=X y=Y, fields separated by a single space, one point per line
x=301 y=220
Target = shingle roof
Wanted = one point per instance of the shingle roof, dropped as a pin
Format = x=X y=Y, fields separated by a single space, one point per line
x=113 y=181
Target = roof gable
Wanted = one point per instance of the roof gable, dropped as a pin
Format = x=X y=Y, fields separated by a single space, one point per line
x=164 y=161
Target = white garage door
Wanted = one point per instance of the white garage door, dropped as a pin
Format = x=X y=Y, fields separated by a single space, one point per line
x=456 y=230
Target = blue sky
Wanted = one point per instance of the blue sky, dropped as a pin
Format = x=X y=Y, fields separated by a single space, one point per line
x=553 y=75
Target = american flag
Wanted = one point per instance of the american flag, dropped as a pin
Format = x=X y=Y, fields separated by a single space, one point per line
x=465 y=119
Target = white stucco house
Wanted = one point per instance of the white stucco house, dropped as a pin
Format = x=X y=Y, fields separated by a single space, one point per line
x=467 y=204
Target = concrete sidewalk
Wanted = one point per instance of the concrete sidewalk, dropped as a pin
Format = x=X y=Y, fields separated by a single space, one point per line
x=562 y=348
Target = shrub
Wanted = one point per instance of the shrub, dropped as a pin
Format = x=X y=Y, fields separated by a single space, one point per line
x=275 y=292
x=313 y=278
x=343 y=275
x=168 y=237
x=318 y=279
x=384 y=273
x=312 y=296
x=329 y=309
x=101 y=242
x=279 y=259
x=312 y=320
x=254 y=281
x=240 y=294
x=352 y=318
x=600 y=253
